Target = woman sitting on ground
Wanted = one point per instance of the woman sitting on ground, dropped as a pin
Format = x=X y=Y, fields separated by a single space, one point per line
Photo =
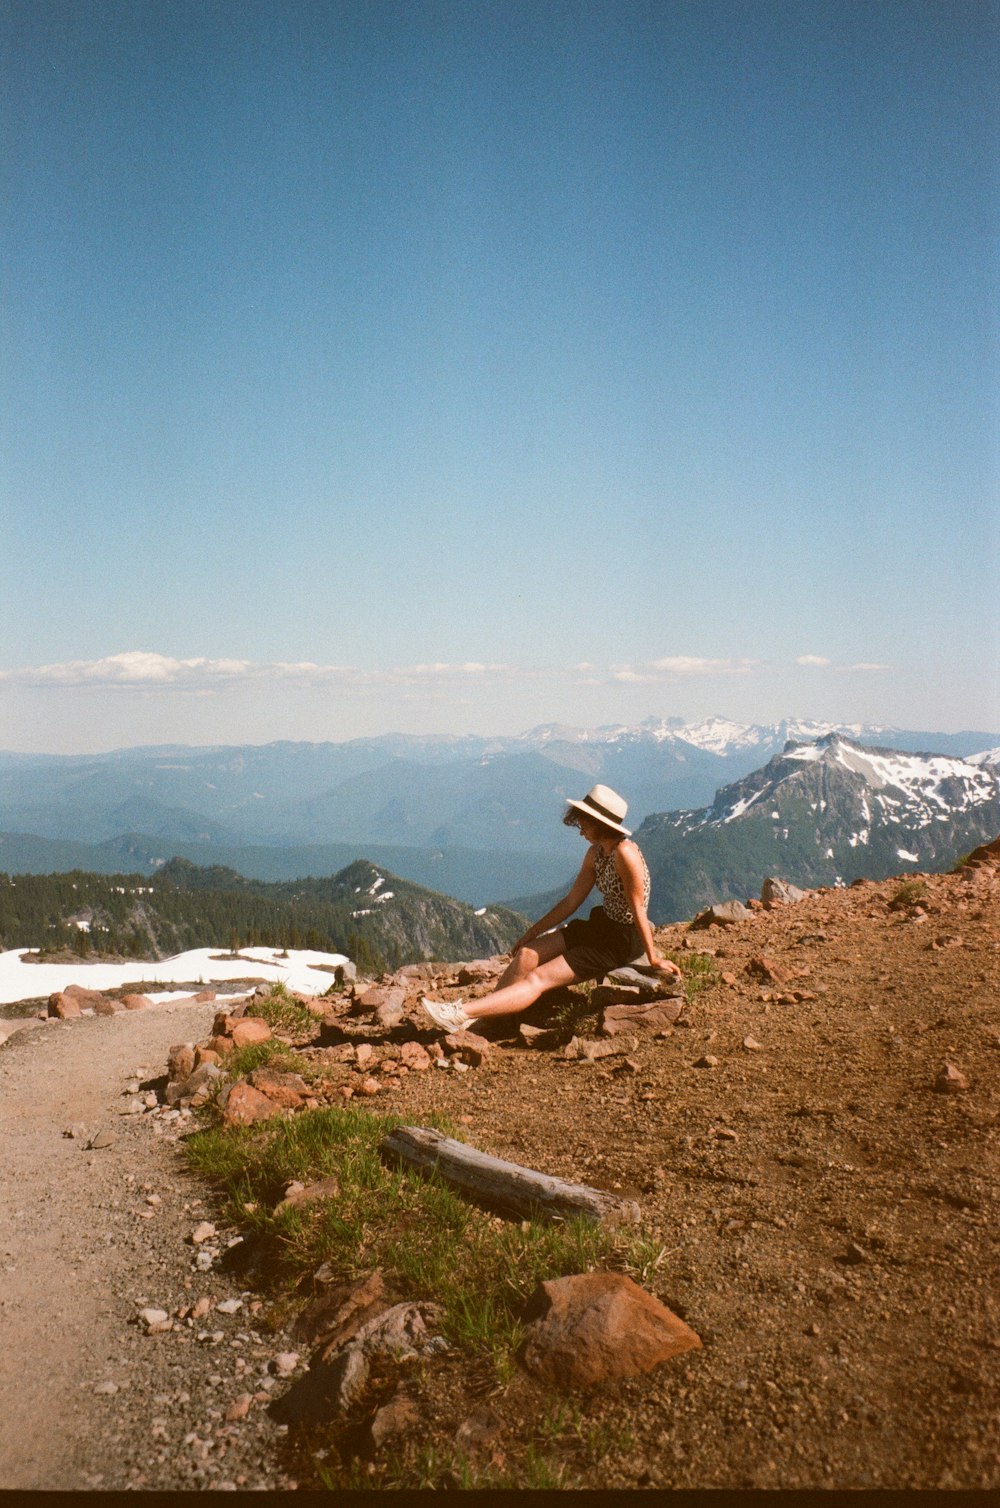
x=614 y=934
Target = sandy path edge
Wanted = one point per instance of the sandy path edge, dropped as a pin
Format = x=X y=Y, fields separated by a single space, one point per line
x=76 y=1255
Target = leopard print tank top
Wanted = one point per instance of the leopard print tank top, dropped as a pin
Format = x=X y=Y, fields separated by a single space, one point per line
x=609 y=883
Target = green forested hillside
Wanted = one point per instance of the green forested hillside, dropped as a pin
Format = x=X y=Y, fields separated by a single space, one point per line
x=363 y=911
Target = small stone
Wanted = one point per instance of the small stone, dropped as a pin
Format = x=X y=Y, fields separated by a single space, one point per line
x=708 y=1061
x=201 y=1308
x=76 y=1132
x=229 y=1306
x=284 y=1364
x=202 y=1232
x=155 y=1320
x=855 y=1255
x=239 y=1408
x=106 y=1389
x=950 y=1080
x=752 y=1045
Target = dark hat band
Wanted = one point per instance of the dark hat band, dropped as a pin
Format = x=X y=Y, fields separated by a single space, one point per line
x=602 y=810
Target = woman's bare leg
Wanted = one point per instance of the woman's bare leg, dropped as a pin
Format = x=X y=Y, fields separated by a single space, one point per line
x=511 y=998
x=549 y=945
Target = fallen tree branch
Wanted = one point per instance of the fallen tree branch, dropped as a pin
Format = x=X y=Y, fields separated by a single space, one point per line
x=505 y=1186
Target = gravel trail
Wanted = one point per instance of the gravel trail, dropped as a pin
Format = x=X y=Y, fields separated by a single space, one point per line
x=87 y=1237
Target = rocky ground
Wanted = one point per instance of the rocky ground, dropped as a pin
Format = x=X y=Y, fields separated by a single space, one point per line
x=812 y=1143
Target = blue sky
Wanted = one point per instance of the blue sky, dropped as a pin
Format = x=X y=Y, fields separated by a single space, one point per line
x=460 y=366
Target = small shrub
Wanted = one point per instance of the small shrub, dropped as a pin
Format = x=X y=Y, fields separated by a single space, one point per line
x=909 y=894
x=283 y=1012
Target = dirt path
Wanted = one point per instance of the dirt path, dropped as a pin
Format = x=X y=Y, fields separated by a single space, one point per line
x=87 y=1399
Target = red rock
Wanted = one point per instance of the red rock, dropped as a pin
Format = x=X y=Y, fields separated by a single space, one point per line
x=204 y=997
x=597 y=1326
x=206 y=1055
x=950 y=1080
x=414 y=1057
x=470 y=1048
x=374 y=996
x=653 y=1017
x=364 y=1052
x=288 y=1090
x=135 y=1002
x=82 y=995
x=246 y=1105
x=181 y=1061
x=220 y=1045
x=64 y=1006
x=479 y=971
x=760 y=967
x=370 y=1086
x=106 y=1007
x=249 y=1030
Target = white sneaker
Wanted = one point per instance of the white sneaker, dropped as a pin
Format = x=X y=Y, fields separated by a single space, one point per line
x=449 y=1014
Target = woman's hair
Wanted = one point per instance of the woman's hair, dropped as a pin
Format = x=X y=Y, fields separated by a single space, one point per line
x=573 y=818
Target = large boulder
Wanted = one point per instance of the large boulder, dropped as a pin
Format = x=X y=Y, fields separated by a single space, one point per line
x=64 y=1006
x=598 y=1326
x=775 y=893
x=83 y=996
x=725 y=914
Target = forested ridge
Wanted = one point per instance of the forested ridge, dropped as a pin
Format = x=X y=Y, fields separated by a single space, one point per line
x=363 y=911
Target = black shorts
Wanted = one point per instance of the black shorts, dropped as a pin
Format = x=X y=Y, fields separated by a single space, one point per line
x=597 y=945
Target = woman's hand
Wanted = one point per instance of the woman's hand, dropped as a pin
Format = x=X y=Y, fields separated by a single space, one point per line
x=665 y=966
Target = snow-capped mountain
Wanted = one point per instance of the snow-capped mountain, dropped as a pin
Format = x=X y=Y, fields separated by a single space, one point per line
x=988 y=757
x=822 y=813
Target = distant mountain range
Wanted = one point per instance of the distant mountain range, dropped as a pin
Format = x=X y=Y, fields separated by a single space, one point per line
x=477 y=818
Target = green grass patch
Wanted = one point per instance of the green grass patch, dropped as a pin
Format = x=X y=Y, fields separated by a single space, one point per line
x=427 y=1239
x=699 y=970
x=282 y=1012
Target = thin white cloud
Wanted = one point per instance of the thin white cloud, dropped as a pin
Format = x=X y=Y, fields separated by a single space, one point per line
x=674 y=667
x=820 y=662
x=143 y=670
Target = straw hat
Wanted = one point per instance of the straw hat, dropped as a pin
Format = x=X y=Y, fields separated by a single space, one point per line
x=605 y=806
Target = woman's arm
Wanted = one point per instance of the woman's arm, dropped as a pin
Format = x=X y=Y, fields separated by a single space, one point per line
x=581 y=888
x=629 y=867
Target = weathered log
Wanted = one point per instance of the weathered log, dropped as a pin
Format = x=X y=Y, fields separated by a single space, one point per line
x=505 y=1186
